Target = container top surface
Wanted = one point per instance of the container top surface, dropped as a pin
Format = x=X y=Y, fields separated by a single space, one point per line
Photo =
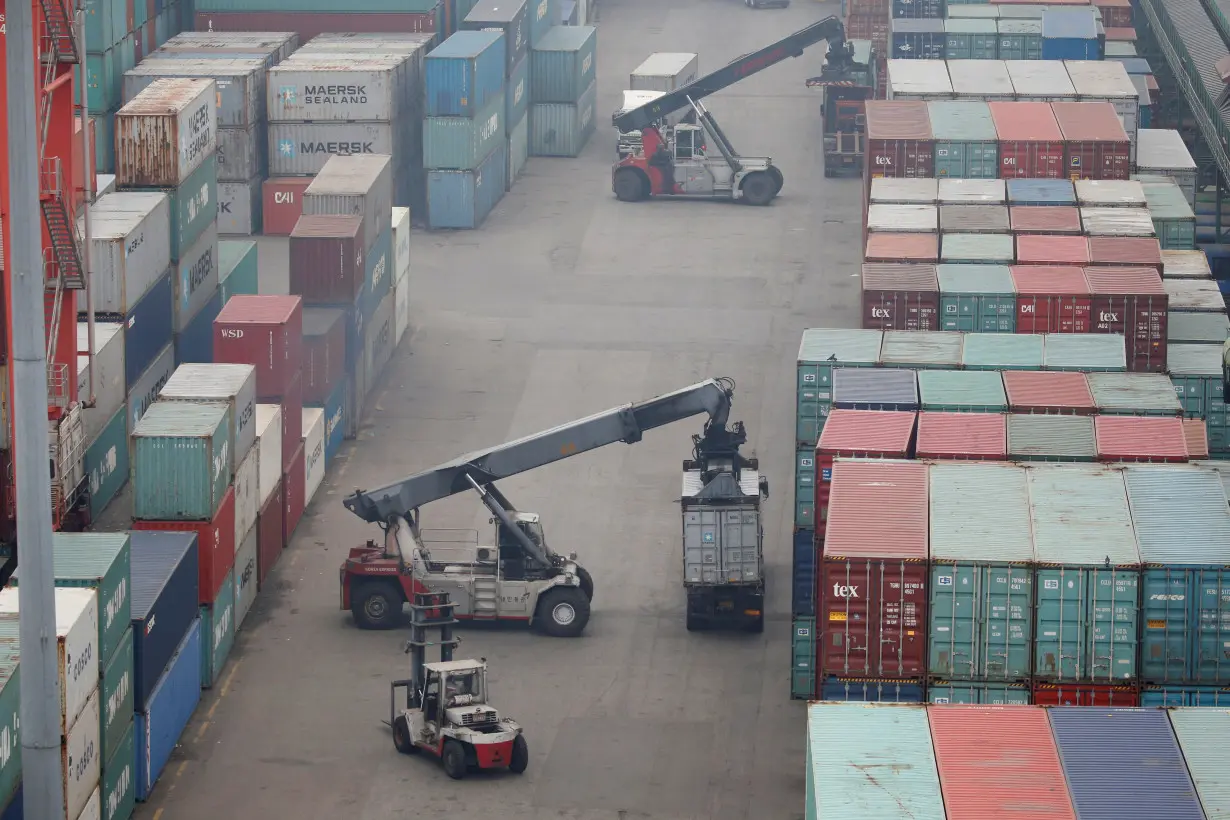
x=71 y=604
x=1166 y=200
x=981 y=77
x=1025 y=122
x=919 y=76
x=1036 y=76
x=83 y=556
x=903 y=246
x=1013 y=25
x=1045 y=219
x=215 y=381
x=975 y=279
x=181 y=66
x=1114 y=281
x=664 y=63
x=1107 y=192
x=1194 y=295
x=1098 y=78
x=1047 y=388
x=1048 y=191
x=126 y=202
x=320 y=321
x=1134 y=64
x=1068 y=24
x=1202 y=733
x=958 y=218
x=328 y=226
x=1033 y=435
x=962 y=388
x=972 y=191
x=155 y=556
x=1130 y=250
x=898 y=120
x=956 y=535
x=910 y=190
x=923 y=218
x=868 y=432
x=1222 y=468
x=969 y=25
x=1162 y=148
x=1002 y=350
x=823 y=345
x=466 y=44
x=1117 y=221
x=877 y=509
x=978 y=246
x=564 y=38
x=970 y=435
x=351 y=174
x=875 y=385
x=167 y=96
x=1133 y=391
x=180 y=419
x=986 y=12
x=896 y=277
x=1088 y=351
x=1197 y=435
x=104 y=332
x=846 y=740
x=1080 y=515
x=917 y=25
x=495 y=11
x=975 y=745
x=1198 y=327
x=1194 y=360
x=1169 y=504
x=259 y=309
x=911 y=347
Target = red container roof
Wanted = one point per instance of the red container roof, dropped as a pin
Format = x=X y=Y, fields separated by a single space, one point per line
x=1025 y=122
x=1197 y=436
x=962 y=435
x=1049 y=280
x=898 y=120
x=1034 y=390
x=1088 y=122
x=1114 y=281
x=1045 y=219
x=1140 y=438
x=867 y=432
x=329 y=226
x=889 y=276
x=1050 y=249
x=908 y=247
x=998 y=762
x=877 y=509
x=273 y=310
x=1125 y=250
x=1121 y=34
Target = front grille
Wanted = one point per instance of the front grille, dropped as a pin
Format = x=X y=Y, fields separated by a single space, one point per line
x=474 y=718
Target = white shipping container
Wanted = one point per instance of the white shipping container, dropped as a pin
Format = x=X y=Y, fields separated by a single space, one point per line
x=1163 y=152
x=981 y=80
x=356 y=185
x=1108 y=81
x=245 y=577
x=68 y=444
x=76 y=648
x=918 y=80
x=241 y=153
x=401 y=308
x=401 y=242
x=233 y=384
x=304 y=148
x=108 y=369
x=903 y=218
x=130 y=247
x=334 y=87
x=269 y=438
x=164 y=133
x=239 y=207
x=247 y=493
x=240 y=82
x=1040 y=80
x=93 y=806
x=79 y=755
x=665 y=71
x=1116 y=222
x=313 y=450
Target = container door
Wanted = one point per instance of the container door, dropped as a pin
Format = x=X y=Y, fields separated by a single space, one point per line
x=959 y=693
x=805 y=488
x=803 y=654
x=1007 y=623
x=1000 y=695
x=701 y=533
x=1062 y=610
x=1212 y=620
x=740 y=546
x=954 y=606
x=1115 y=618
x=1167 y=634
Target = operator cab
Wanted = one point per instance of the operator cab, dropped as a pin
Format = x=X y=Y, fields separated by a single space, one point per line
x=689 y=142
x=455 y=692
x=513 y=560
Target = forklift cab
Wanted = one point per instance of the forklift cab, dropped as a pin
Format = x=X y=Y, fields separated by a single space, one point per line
x=450 y=685
x=689 y=143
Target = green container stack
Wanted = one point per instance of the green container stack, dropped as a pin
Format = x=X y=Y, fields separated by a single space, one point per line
x=217 y=631
x=962 y=391
x=1174 y=221
x=803 y=658
x=563 y=91
x=1196 y=372
x=237 y=268
x=977 y=298
x=971 y=39
x=966 y=143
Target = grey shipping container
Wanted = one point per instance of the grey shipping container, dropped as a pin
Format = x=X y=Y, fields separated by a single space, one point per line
x=561 y=130
x=1164 y=152
x=563 y=65
x=165 y=132
x=336 y=87
x=241 y=153
x=239 y=207
x=302 y=149
x=1035 y=79
x=461 y=143
x=196 y=277
x=354 y=186
x=277 y=45
x=144 y=391
x=130 y=248
x=240 y=84
x=518 y=149
x=107 y=367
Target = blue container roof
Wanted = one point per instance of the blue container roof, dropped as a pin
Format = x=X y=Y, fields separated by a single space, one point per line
x=866 y=385
x=1170 y=505
x=1041 y=192
x=155 y=557
x=466 y=44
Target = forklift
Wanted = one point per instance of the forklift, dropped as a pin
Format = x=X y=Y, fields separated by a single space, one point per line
x=845 y=109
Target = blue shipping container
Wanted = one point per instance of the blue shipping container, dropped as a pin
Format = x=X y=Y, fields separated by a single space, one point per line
x=1123 y=764
x=15 y=810
x=542 y=15
x=517 y=98
x=168 y=710
x=335 y=408
x=164 y=603
x=919 y=9
x=918 y=40
x=868 y=690
x=1070 y=34
x=461 y=143
x=803 y=573
x=1041 y=192
x=195 y=343
x=563 y=64
x=464 y=72
x=509 y=16
x=462 y=199
x=148 y=328
x=563 y=129
x=1167 y=696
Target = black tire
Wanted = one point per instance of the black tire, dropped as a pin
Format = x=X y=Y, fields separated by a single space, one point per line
x=630 y=185
x=778 y=179
x=453 y=758
x=563 y=612
x=587 y=583
x=758 y=188
x=520 y=755
x=401 y=736
x=694 y=623
x=376 y=605
x=756 y=626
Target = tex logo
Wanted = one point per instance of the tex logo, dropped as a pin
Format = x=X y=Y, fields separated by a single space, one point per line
x=286 y=148
x=287 y=94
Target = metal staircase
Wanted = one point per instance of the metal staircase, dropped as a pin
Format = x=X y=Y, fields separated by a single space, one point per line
x=58 y=34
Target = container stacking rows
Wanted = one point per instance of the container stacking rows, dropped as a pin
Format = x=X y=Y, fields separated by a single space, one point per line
x=1048 y=33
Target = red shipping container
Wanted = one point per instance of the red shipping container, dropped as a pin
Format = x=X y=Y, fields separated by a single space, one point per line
x=1085 y=694
x=1115 y=13
x=292 y=421
x=1048 y=391
x=1197 y=436
x=1030 y=144
x=265 y=331
x=1050 y=249
x=1045 y=219
x=871 y=610
x=1132 y=301
x=1096 y=147
x=858 y=434
x=966 y=436
x=269 y=538
x=307 y=24
x=869 y=7
x=326 y=259
x=282 y=201
x=1135 y=251
x=1140 y=438
x=324 y=352
x=130 y=14
x=900 y=297
x=1120 y=34
x=998 y=762
x=215 y=544
x=294 y=494
x=1051 y=299
x=873 y=27
x=902 y=247
x=899 y=140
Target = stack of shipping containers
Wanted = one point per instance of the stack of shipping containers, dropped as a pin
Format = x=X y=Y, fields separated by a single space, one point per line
x=308 y=18
x=514 y=18
x=563 y=91
x=871 y=20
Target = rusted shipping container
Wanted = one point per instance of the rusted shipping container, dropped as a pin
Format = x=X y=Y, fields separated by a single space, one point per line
x=872 y=603
x=265 y=331
x=165 y=132
x=1121 y=34
x=902 y=247
x=1050 y=249
x=857 y=434
x=327 y=259
x=1096 y=146
x=308 y=24
x=1045 y=219
x=1133 y=251
x=282 y=203
x=1084 y=694
x=1051 y=299
x=1030 y=143
x=1197 y=435
x=969 y=436
x=899 y=140
x=1140 y=438
x=900 y=297
x=1048 y=391
x=1133 y=302
x=324 y=353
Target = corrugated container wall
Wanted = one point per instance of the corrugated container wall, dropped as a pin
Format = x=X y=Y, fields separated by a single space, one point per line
x=322 y=87
x=464 y=72
x=564 y=64
x=1201 y=734
x=562 y=130
x=130 y=248
x=181 y=461
x=165 y=132
x=354 y=186
x=240 y=83
x=164 y=593
x=509 y=16
x=463 y=199
x=461 y=143
x=231 y=384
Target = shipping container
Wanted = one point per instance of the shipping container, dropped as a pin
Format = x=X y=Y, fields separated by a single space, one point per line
x=463 y=199
x=1174 y=222
x=129 y=249
x=1134 y=394
x=231 y=384
x=148 y=328
x=324 y=352
x=943 y=692
x=108 y=372
x=1164 y=152
x=966 y=144
x=1116 y=222
x=401 y=308
x=79 y=760
x=902 y=247
x=899 y=140
x=215 y=545
x=970 y=39
x=266 y=331
x=1197 y=436
x=461 y=143
x=378 y=347
x=1030 y=142
x=861 y=388
x=244 y=576
x=327 y=259
x=401 y=241
x=181 y=461
x=1107 y=81
x=1070 y=34
x=1195 y=328
x=116 y=689
x=819 y=348
x=269 y=443
x=464 y=72
x=977 y=298
x=931 y=351
x=1041 y=192
x=271 y=536
x=972 y=191
x=1051 y=299
x=871 y=690
x=977 y=249
x=563 y=64
x=239 y=83
x=1042 y=219
x=1050 y=249
x=961 y=436
x=169 y=708
x=974 y=219
x=1196 y=370
x=118 y=780
x=1133 y=302
x=166 y=131
x=1020 y=41
x=981 y=78
x=106 y=462
x=191 y=205
x=354 y=186
x=1044 y=437
x=217 y=631
x=294 y=493
x=962 y=391
x=803 y=650
x=899 y=191
x=322 y=87
x=1194 y=296
x=335 y=420
x=378 y=273
x=145 y=392
x=509 y=16
x=872 y=605
x=194 y=344
x=1176 y=696
x=1140 y=438
x=313 y=443
x=309 y=24
x=917 y=39
x=239 y=207
x=1085 y=352
x=900 y=297
x=916 y=79
x=1085 y=694
x=1002 y=351
x=902 y=218
x=164 y=591
x=195 y=277
x=1033 y=79
x=292 y=421
x=848 y=434
x=1048 y=392
x=1199 y=733
x=275 y=45
x=282 y=203
x=303 y=148
x=1110 y=193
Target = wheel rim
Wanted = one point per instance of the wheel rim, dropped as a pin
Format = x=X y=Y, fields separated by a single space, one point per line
x=563 y=614
x=375 y=607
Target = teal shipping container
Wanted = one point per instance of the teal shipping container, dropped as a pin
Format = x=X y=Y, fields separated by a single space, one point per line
x=946 y=692
x=1020 y=39
x=517 y=92
x=930 y=351
x=1196 y=372
x=1134 y=394
x=237 y=268
x=1197 y=328
x=462 y=143
x=1172 y=696
x=1174 y=222
x=1087 y=578
x=805 y=487
x=1202 y=737
x=1038 y=437
x=981 y=602
x=966 y=144
x=181 y=461
x=802 y=659
x=563 y=64
x=562 y=130
x=971 y=39
x=977 y=298
x=104 y=142
x=106 y=462
x=118 y=695
x=821 y=350
x=1183 y=527
x=542 y=16
x=106 y=23
x=10 y=740
x=1002 y=351
x=962 y=391
x=104 y=76
x=194 y=205
x=217 y=631
x=1086 y=352
x=119 y=779
x=977 y=249
x=846 y=742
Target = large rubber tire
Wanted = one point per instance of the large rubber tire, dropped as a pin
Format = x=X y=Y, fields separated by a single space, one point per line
x=401 y=736
x=520 y=755
x=778 y=179
x=563 y=612
x=694 y=623
x=587 y=583
x=376 y=605
x=756 y=626
x=630 y=185
x=758 y=188
x=453 y=759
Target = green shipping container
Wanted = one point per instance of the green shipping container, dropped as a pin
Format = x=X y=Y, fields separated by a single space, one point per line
x=962 y=391
x=981 y=606
x=932 y=351
x=1020 y=39
x=966 y=144
x=194 y=205
x=104 y=76
x=1196 y=372
x=462 y=143
x=1134 y=394
x=106 y=462
x=802 y=659
x=106 y=23
x=977 y=693
x=181 y=461
x=1085 y=352
x=563 y=64
x=971 y=39
x=10 y=713
x=977 y=298
x=1173 y=219
x=217 y=632
x=1119 y=48
x=237 y=268
x=820 y=351
x=117 y=697
x=1202 y=737
x=104 y=143
x=1051 y=438
x=119 y=779
x=101 y=561
x=977 y=249
x=1002 y=351
x=805 y=488
x=1197 y=328
x=1088 y=574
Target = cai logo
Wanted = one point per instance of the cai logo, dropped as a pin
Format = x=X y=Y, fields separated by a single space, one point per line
x=287 y=93
x=286 y=148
